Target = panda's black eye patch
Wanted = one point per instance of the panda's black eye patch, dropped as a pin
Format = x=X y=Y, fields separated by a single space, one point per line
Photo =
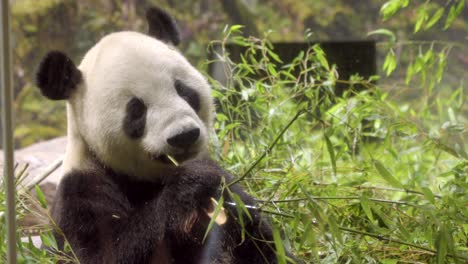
x=188 y=94
x=135 y=118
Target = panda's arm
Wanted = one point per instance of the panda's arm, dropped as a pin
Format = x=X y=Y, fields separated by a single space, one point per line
x=99 y=222
x=193 y=185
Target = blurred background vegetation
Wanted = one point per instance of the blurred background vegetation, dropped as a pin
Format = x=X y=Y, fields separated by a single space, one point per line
x=373 y=176
x=74 y=26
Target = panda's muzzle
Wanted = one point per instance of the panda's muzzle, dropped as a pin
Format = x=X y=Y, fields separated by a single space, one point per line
x=183 y=145
x=185 y=139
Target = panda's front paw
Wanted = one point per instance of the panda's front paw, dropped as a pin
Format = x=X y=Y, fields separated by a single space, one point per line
x=195 y=182
x=188 y=195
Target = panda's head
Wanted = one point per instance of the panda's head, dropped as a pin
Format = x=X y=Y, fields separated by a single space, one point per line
x=133 y=101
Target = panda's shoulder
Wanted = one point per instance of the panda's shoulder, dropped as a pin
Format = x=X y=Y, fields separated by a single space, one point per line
x=82 y=183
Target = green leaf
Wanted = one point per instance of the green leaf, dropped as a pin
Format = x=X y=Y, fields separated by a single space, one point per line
x=320 y=54
x=40 y=196
x=274 y=56
x=448 y=149
x=410 y=72
x=391 y=7
x=390 y=62
x=422 y=17
x=49 y=241
x=240 y=205
x=335 y=228
x=271 y=69
x=236 y=28
x=441 y=244
x=382 y=216
x=453 y=13
x=428 y=194
x=428 y=57
x=331 y=152
x=436 y=17
x=215 y=214
x=384 y=31
x=441 y=64
x=366 y=207
x=280 y=253
x=386 y=175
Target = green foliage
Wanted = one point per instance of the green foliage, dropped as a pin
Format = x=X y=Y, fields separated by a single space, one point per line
x=362 y=178
x=391 y=7
x=28 y=204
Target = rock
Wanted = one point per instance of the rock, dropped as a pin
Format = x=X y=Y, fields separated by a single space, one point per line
x=40 y=157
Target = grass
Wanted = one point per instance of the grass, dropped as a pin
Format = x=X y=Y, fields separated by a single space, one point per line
x=360 y=178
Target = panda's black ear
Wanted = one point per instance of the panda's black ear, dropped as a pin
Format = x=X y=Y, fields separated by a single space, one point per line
x=162 y=26
x=57 y=76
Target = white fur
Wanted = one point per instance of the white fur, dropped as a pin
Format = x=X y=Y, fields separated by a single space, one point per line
x=120 y=66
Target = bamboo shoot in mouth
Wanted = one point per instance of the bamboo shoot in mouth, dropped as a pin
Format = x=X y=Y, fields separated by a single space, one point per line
x=173 y=160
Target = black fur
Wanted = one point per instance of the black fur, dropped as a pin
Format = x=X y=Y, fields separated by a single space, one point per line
x=57 y=76
x=135 y=118
x=109 y=218
x=188 y=94
x=162 y=26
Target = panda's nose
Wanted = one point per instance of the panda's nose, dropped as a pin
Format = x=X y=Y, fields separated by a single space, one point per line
x=185 y=139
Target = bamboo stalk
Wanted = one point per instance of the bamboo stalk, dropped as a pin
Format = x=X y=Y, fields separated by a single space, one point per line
x=268 y=150
x=7 y=121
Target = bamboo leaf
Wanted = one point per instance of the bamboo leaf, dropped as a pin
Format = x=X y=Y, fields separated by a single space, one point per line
x=366 y=207
x=422 y=17
x=331 y=153
x=428 y=194
x=382 y=216
x=274 y=56
x=436 y=17
x=386 y=175
x=280 y=253
x=390 y=63
x=384 y=31
x=213 y=218
x=454 y=13
x=441 y=245
x=320 y=54
x=391 y=7
x=410 y=73
x=49 y=241
x=40 y=196
x=334 y=228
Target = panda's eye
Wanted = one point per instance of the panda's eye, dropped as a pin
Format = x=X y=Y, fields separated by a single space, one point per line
x=135 y=108
x=188 y=94
x=135 y=118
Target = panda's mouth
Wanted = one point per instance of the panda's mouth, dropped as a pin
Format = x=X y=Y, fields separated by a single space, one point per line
x=173 y=159
x=164 y=159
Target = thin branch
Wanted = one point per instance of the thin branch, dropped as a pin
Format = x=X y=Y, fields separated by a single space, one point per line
x=269 y=149
x=46 y=173
x=340 y=198
x=388 y=239
x=377 y=188
x=419 y=42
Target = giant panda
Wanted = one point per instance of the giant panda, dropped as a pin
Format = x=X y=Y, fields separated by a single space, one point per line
x=132 y=103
